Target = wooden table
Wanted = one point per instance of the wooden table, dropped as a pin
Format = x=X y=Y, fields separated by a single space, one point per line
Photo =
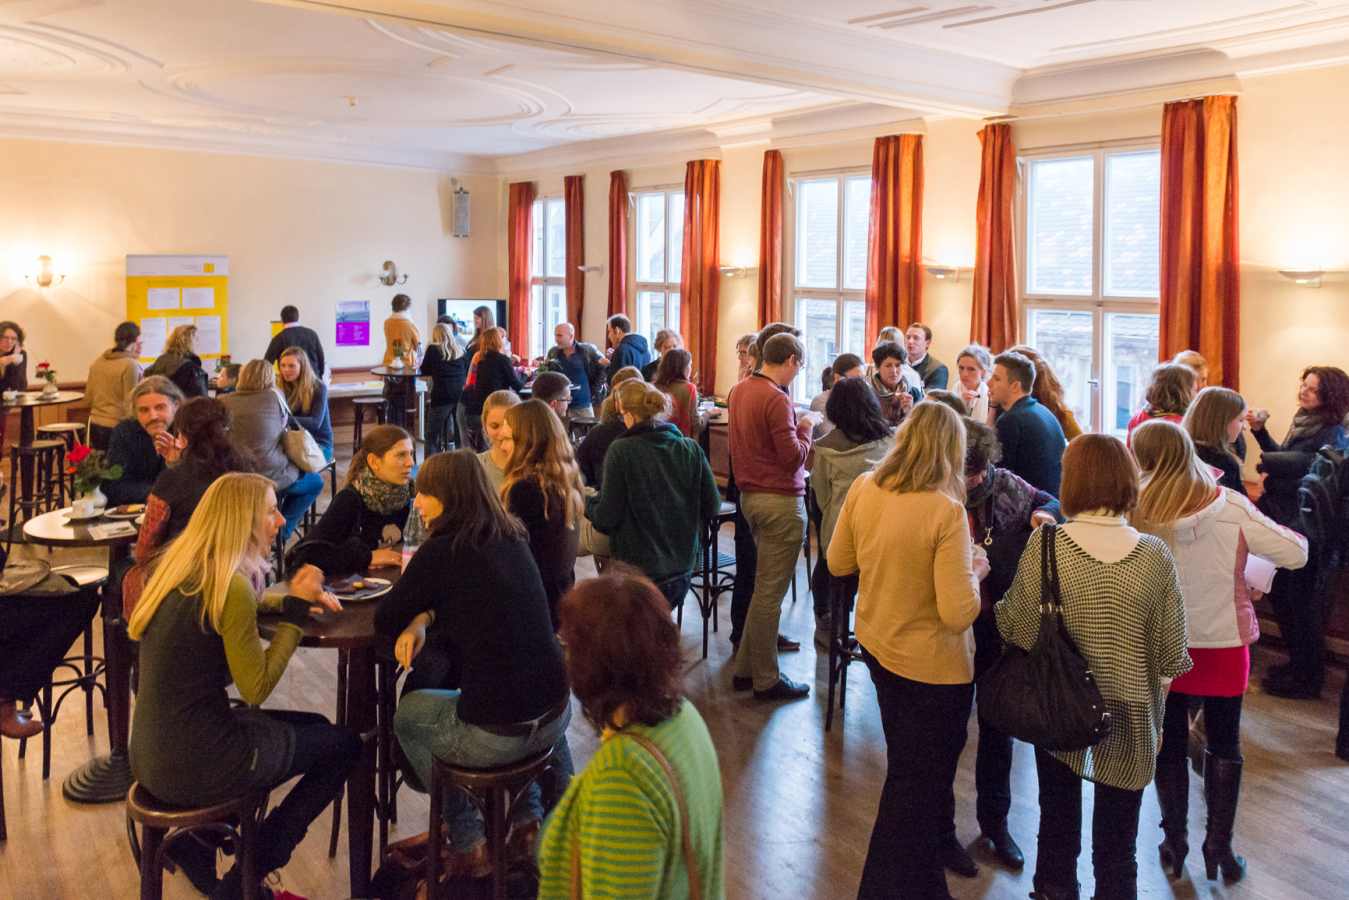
x=26 y=402
x=104 y=779
x=352 y=630
x=401 y=383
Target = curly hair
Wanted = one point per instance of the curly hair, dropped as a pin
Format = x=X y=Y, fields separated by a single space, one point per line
x=622 y=650
x=1171 y=390
x=1333 y=389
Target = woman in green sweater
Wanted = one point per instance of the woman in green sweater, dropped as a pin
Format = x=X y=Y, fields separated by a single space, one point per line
x=644 y=818
x=197 y=624
x=657 y=493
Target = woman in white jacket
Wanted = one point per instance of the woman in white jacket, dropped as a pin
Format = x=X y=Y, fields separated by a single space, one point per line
x=1211 y=530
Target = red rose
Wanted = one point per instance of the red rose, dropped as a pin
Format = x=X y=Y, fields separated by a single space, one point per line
x=78 y=454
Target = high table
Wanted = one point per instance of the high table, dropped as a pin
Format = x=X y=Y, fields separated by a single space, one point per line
x=25 y=403
x=104 y=779
x=400 y=384
x=352 y=630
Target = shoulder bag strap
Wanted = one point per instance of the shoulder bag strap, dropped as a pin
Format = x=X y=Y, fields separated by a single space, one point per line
x=1047 y=585
x=690 y=861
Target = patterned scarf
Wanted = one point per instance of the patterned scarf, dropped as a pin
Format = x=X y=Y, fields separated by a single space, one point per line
x=379 y=496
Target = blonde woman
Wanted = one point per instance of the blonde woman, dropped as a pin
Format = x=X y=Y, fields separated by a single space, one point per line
x=653 y=466
x=1196 y=363
x=903 y=530
x=498 y=436
x=197 y=624
x=974 y=365
x=307 y=397
x=1210 y=531
x=180 y=363
x=1214 y=421
x=446 y=364
x=258 y=419
x=543 y=489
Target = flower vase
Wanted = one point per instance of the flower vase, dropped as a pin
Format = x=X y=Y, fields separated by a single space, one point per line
x=50 y=389
x=89 y=503
x=397 y=363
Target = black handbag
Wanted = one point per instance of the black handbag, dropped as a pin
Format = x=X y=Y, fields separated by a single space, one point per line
x=1045 y=696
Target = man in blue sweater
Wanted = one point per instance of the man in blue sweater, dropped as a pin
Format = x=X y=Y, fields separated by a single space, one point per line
x=1032 y=439
x=629 y=349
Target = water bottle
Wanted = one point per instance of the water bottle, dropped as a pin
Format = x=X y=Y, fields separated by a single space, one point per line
x=414 y=532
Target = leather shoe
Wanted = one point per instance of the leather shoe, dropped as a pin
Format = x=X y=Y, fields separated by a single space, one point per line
x=957 y=858
x=741 y=684
x=1285 y=684
x=1001 y=846
x=785 y=689
x=786 y=644
x=16 y=723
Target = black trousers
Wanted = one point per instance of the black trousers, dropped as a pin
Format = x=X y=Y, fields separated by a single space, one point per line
x=1301 y=615
x=924 y=734
x=746 y=562
x=993 y=762
x=674 y=589
x=1222 y=727
x=35 y=632
x=1114 y=832
x=819 y=585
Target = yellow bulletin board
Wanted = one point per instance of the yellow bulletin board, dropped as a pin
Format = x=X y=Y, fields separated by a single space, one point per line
x=163 y=292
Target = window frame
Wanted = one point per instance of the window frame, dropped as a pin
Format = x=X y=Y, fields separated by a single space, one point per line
x=1099 y=304
x=538 y=315
x=803 y=387
x=636 y=285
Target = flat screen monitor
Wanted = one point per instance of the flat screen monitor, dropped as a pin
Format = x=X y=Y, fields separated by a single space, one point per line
x=462 y=313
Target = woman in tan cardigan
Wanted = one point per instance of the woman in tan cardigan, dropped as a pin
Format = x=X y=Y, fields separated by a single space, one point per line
x=399 y=328
x=903 y=530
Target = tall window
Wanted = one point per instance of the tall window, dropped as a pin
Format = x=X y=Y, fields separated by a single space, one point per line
x=1092 y=250
x=548 y=274
x=660 y=258
x=828 y=259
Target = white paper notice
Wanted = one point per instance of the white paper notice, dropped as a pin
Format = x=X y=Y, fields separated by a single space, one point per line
x=199 y=298
x=162 y=298
x=153 y=335
x=208 y=335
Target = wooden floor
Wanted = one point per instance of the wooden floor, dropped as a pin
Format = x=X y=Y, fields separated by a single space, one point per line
x=799 y=803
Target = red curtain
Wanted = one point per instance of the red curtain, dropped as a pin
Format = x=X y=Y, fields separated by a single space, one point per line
x=1200 y=290
x=700 y=278
x=770 y=240
x=573 y=193
x=994 y=320
x=895 y=236
x=519 y=237
x=618 y=243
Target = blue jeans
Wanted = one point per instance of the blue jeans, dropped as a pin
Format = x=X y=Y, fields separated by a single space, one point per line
x=428 y=725
x=296 y=498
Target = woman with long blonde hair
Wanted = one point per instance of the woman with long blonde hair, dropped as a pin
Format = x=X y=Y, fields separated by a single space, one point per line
x=446 y=364
x=197 y=624
x=903 y=530
x=180 y=363
x=307 y=397
x=1210 y=530
x=543 y=489
x=1214 y=421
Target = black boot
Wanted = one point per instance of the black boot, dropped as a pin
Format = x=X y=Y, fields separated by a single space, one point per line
x=1173 y=796
x=1222 y=786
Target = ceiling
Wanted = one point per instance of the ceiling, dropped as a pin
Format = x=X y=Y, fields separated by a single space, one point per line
x=456 y=84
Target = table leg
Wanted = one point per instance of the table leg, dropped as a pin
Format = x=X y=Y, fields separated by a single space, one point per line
x=361 y=784
x=106 y=779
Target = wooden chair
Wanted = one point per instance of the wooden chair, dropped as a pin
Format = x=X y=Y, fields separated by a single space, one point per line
x=162 y=824
x=495 y=792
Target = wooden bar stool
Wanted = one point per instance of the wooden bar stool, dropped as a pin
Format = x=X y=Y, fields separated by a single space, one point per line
x=358 y=407
x=494 y=792
x=47 y=458
x=161 y=825
x=70 y=432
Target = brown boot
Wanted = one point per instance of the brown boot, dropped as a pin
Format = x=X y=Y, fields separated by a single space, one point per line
x=16 y=723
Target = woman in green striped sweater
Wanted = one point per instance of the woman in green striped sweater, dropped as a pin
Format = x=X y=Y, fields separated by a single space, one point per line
x=644 y=817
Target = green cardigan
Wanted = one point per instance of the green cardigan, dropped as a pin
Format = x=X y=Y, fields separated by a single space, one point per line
x=656 y=495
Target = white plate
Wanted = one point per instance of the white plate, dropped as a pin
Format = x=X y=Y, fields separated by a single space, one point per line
x=374 y=587
x=124 y=516
x=71 y=517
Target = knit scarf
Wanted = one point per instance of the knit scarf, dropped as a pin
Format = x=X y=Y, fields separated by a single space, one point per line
x=379 y=495
x=1305 y=424
x=974 y=498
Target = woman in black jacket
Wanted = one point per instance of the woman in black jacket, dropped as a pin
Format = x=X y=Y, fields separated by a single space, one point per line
x=491 y=370
x=1323 y=402
x=1214 y=421
x=180 y=363
x=475 y=575
x=446 y=363
x=363 y=526
x=13 y=364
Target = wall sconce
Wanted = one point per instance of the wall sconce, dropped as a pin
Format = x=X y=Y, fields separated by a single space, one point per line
x=1304 y=277
x=588 y=269
x=734 y=271
x=941 y=273
x=389 y=274
x=45 y=277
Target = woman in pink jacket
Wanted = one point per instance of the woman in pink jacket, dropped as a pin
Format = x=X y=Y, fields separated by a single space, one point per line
x=1211 y=531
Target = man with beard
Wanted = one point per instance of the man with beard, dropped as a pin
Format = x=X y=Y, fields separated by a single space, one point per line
x=143 y=446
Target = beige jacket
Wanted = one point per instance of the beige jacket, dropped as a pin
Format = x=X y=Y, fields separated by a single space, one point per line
x=398 y=327
x=108 y=388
